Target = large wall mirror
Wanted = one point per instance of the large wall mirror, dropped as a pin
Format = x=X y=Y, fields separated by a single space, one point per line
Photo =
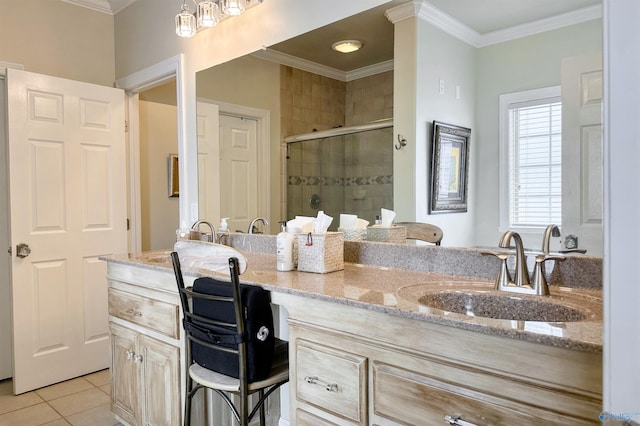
x=247 y=106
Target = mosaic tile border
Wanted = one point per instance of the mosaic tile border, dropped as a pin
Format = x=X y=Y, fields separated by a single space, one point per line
x=339 y=181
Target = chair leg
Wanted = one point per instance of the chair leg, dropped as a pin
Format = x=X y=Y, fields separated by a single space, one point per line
x=262 y=416
x=187 y=402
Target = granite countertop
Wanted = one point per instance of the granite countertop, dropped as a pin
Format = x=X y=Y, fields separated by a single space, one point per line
x=397 y=292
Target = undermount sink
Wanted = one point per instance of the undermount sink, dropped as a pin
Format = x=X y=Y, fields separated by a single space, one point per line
x=481 y=300
x=491 y=305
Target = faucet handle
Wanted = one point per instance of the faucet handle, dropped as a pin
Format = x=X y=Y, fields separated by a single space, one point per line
x=540 y=284
x=504 y=277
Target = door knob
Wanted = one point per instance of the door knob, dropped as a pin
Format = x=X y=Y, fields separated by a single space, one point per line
x=23 y=250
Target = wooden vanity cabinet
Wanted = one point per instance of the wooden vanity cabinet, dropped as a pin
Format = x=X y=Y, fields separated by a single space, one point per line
x=411 y=372
x=145 y=351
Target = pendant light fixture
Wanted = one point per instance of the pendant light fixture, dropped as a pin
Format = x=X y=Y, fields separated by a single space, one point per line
x=208 y=13
x=233 y=7
x=185 y=21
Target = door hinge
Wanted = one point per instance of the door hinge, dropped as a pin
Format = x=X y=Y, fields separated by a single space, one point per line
x=126 y=126
x=128 y=225
x=10 y=251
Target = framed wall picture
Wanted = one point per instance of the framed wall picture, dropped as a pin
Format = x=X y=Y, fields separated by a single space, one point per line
x=174 y=182
x=449 y=168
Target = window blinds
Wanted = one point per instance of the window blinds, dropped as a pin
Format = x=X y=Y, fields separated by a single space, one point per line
x=535 y=137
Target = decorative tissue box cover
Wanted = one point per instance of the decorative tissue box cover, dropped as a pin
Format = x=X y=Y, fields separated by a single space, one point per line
x=392 y=234
x=354 y=234
x=325 y=254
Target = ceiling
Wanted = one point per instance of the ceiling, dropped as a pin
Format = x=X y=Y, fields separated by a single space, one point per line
x=482 y=22
x=478 y=22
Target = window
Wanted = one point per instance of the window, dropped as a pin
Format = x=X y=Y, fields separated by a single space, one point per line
x=531 y=150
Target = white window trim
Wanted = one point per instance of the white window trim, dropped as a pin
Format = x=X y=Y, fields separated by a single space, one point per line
x=505 y=101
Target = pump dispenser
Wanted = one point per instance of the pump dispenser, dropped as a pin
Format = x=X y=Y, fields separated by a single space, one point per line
x=284 y=249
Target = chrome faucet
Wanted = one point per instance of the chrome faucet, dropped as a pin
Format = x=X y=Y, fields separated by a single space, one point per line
x=195 y=233
x=550 y=231
x=252 y=225
x=522 y=284
x=521 y=272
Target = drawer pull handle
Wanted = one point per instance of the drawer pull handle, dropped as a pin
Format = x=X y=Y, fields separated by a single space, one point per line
x=314 y=380
x=133 y=312
x=456 y=420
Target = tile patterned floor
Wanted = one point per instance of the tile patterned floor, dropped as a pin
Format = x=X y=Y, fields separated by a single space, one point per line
x=83 y=401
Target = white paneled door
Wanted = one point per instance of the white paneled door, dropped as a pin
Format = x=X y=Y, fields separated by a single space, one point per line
x=582 y=151
x=238 y=171
x=67 y=187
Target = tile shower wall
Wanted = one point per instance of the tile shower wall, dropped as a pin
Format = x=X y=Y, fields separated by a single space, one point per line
x=351 y=173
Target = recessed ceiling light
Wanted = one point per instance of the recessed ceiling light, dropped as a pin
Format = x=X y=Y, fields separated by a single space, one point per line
x=347 y=46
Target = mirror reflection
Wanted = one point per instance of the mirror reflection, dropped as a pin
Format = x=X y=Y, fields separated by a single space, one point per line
x=286 y=92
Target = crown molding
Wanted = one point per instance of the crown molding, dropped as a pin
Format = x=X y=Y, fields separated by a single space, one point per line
x=102 y=6
x=313 y=67
x=431 y=14
x=370 y=70
x=553 y=23
x=110 y=7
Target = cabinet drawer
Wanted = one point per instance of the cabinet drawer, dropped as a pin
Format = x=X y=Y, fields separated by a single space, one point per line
x=154 y=314
x=409 y=397
x=332 y=380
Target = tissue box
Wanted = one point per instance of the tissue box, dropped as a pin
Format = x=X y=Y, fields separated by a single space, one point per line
x=354 y=234
x=325 y=254
x=392 y=234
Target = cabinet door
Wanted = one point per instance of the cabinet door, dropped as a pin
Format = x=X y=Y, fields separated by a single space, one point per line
x=124 y=374
x=160 y=382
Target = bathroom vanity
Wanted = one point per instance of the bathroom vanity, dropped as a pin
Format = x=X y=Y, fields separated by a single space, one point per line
x=366 y=350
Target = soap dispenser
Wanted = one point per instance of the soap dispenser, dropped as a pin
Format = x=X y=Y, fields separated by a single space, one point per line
x=224 y=226
x=284 y=249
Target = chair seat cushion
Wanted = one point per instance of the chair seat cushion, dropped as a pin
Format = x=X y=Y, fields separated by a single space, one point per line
x=214 y=380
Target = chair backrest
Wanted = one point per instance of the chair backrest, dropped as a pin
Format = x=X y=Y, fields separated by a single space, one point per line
x=423 y=232
x=229 y=326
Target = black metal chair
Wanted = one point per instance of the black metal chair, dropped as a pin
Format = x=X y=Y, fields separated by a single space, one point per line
x=234 y=342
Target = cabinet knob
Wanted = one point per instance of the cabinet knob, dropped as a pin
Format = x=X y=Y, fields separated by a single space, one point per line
x=130 y=354
x=137 y=358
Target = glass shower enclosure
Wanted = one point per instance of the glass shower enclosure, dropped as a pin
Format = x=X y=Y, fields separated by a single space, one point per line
x=341 y=170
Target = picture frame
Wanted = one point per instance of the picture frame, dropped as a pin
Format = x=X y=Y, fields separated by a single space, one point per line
x=449 y=168
x=174 y=181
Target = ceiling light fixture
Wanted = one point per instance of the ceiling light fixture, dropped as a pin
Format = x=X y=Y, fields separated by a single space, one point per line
x=207 y=14
x=347 y=46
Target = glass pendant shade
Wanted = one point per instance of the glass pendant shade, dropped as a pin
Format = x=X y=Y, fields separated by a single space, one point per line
x=208 y=13
x=185 y=22
x=233 y=7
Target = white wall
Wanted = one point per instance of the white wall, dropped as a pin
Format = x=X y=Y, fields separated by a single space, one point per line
x=621 y=351
x=527 y=63
x=158 y=139
x=58 y=39
x=424 y=56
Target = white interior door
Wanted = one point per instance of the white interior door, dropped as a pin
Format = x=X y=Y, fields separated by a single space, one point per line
x=238 y=171
x=68 y=204
x=582 y=178
x=5 y=276
x=208 y=163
